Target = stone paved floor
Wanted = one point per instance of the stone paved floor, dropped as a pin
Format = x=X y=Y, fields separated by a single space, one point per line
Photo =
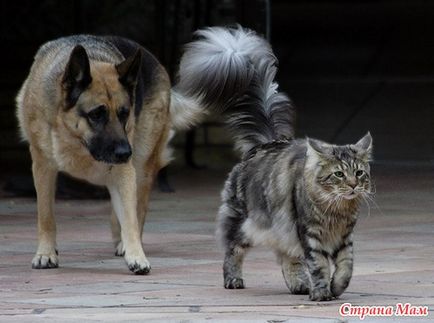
x=394 y=260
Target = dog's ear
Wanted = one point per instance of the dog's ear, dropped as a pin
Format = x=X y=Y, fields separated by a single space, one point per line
x=77 y=75
x=128 y=71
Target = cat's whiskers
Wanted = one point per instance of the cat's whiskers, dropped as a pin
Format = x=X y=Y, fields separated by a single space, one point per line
x=370 y=198
x=328 y=206
x=372 y=188
x=364 y=196
x=338 y=204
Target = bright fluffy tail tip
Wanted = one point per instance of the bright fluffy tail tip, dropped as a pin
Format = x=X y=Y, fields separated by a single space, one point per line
x=214 y=71
x=185 y=111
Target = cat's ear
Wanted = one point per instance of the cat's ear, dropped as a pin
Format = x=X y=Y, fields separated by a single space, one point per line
x=319 y=147
x=318 y=152
x=364 y=147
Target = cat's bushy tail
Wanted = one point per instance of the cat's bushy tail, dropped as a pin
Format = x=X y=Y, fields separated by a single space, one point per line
x=232 y=70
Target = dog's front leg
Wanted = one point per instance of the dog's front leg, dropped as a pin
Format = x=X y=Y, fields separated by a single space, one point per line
x=44 y=177
x=123 y=194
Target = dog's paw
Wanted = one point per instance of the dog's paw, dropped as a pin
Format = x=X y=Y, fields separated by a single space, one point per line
x=119 y=249
x=139 y=269
x=321 y=294
x=234 y=283
x=45 y=261
x=138 y=265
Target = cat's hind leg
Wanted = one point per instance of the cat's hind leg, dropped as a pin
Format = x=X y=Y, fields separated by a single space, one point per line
x=229 y=229
x=294 y=273
x=232 y=268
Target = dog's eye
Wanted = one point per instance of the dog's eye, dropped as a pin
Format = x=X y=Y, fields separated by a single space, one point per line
x=123 y=114
x=98 y=114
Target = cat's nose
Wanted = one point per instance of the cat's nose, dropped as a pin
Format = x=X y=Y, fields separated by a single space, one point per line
x=352 y=183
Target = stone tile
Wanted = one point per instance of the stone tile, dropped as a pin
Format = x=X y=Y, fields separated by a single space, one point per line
x=394 y=261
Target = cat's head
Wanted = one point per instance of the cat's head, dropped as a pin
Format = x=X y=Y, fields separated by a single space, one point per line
x=339 y=173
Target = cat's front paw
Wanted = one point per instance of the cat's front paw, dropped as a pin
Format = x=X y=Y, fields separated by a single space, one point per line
x=234 y=283
x=338 y=288
x=320 y=294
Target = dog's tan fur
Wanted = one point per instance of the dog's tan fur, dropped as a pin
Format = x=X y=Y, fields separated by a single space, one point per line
x=56 y=134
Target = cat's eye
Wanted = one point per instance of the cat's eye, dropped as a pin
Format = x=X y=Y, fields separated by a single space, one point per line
x=98 y=115
x=339 y=174
x=359 y=173
x=123 y=114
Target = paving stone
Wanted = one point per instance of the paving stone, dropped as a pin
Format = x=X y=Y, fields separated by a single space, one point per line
x=394 y=261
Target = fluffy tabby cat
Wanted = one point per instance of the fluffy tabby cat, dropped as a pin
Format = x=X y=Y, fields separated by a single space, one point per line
x=298 y=196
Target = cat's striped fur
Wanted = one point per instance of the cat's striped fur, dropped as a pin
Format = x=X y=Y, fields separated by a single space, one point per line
x=298 y=196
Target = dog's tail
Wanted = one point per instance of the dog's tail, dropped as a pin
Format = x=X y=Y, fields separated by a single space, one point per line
x=232 y=70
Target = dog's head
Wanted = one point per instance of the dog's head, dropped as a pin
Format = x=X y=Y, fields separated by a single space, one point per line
x=98 y=104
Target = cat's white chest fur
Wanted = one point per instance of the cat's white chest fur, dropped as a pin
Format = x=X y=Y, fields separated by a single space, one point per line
x=281 y=236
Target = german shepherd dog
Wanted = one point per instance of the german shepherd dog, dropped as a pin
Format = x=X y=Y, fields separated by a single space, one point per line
x=99 y=108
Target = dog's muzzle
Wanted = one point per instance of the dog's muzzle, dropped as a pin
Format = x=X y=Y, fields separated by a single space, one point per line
x=110 y=151
x=122 y=152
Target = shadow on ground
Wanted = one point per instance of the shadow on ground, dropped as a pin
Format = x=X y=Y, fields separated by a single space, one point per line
x=394 y=259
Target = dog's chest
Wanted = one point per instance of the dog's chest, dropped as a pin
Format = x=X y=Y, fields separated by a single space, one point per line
x=75 y=160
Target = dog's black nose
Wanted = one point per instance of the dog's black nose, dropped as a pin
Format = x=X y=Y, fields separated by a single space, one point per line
x=122 y=151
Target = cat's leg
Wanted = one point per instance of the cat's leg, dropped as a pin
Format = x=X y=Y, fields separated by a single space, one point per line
x=319 y=269
x=343 y=260
x=294 y=273
x=232 y=267
x=229 y=231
